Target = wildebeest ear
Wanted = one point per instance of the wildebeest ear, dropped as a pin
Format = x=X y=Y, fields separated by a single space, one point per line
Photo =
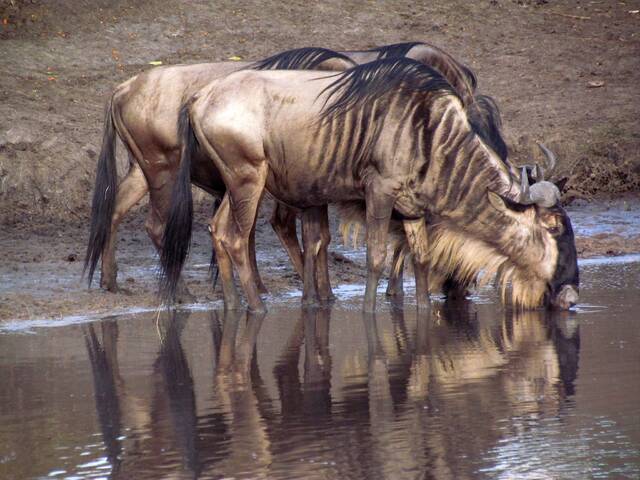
x=504 y=204
x=562 y=183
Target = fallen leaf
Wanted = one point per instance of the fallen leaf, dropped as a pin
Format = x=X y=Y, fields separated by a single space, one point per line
x=155 y=63
x=235 y=58
x=595 y=84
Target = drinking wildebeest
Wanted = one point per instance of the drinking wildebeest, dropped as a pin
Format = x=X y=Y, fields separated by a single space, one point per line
x=393 y=133
x=485 y=118
x=143 y=112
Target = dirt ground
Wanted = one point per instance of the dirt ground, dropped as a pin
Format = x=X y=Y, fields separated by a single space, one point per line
x=565 y=72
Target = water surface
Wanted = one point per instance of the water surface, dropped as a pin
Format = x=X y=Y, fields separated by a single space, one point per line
x=469 y=390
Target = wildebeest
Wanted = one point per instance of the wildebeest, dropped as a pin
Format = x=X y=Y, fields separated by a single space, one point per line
x=394 y=134
x=143 y=113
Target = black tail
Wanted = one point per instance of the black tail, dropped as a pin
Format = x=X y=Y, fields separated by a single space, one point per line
x=104 y=195
x=177 y=234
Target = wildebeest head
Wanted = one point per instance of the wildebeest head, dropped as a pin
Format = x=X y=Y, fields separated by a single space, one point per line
x=549 y=269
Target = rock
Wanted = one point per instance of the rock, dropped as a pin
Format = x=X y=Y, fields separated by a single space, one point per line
x=17 y=135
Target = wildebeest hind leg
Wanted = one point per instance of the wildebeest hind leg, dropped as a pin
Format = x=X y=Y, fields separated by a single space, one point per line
x=155 y=225
x=244 y=193
x=225 y=268
x=416 y=232
x=283 y=221
x=132 y=188
x=311 y=242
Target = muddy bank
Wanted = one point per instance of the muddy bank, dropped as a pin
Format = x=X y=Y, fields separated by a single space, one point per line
x=40 y=274
x=562 y=72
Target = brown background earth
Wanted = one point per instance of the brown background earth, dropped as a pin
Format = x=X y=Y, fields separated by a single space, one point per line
x=565 y=72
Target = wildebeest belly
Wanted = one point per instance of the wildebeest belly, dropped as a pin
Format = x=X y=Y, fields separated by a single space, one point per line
x=303 y=186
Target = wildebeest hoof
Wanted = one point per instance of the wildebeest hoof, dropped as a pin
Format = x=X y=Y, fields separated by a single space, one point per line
x=310 y=301
x=110 y=287
x=257 y=310
x=423 y=305
x=368 y=308
x=394 y=293
x=119 y=290
x=232 y=306
x=328 y=298
x=185 y=297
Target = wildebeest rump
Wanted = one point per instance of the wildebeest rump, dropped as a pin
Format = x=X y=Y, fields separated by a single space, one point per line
x=143 y=113
x=393 y=133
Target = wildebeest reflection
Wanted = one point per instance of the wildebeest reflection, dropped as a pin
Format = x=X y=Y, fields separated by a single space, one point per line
x=406 y=395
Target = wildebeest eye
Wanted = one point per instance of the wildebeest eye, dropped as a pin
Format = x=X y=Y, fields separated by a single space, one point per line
x=556 y=228
x=553 y=224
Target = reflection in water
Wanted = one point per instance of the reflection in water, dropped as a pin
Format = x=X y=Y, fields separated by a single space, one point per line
x=375 y=396
x=108 y=387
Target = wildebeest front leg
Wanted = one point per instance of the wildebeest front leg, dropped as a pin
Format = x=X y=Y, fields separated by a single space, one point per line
x=283 y=221
x=416 y=232
x=132 y=188
x=379 y=207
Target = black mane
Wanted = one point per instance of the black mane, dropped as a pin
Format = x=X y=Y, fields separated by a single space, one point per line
x=484 y=118
x=394 y=50
x=306 y=58
x=366 y=83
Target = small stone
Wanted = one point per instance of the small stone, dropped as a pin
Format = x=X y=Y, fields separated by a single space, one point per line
x=18 y=135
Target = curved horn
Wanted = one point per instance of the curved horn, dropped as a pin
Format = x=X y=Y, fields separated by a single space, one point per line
x=525 y=193
x=538 y=172
x=551 y=158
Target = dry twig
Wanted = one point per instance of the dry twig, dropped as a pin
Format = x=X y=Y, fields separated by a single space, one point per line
x=577 y=17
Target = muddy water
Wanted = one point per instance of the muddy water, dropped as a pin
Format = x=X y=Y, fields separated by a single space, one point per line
x=466 y=391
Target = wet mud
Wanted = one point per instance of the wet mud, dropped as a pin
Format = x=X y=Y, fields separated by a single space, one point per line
x=41 y=272
x=468 y=390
